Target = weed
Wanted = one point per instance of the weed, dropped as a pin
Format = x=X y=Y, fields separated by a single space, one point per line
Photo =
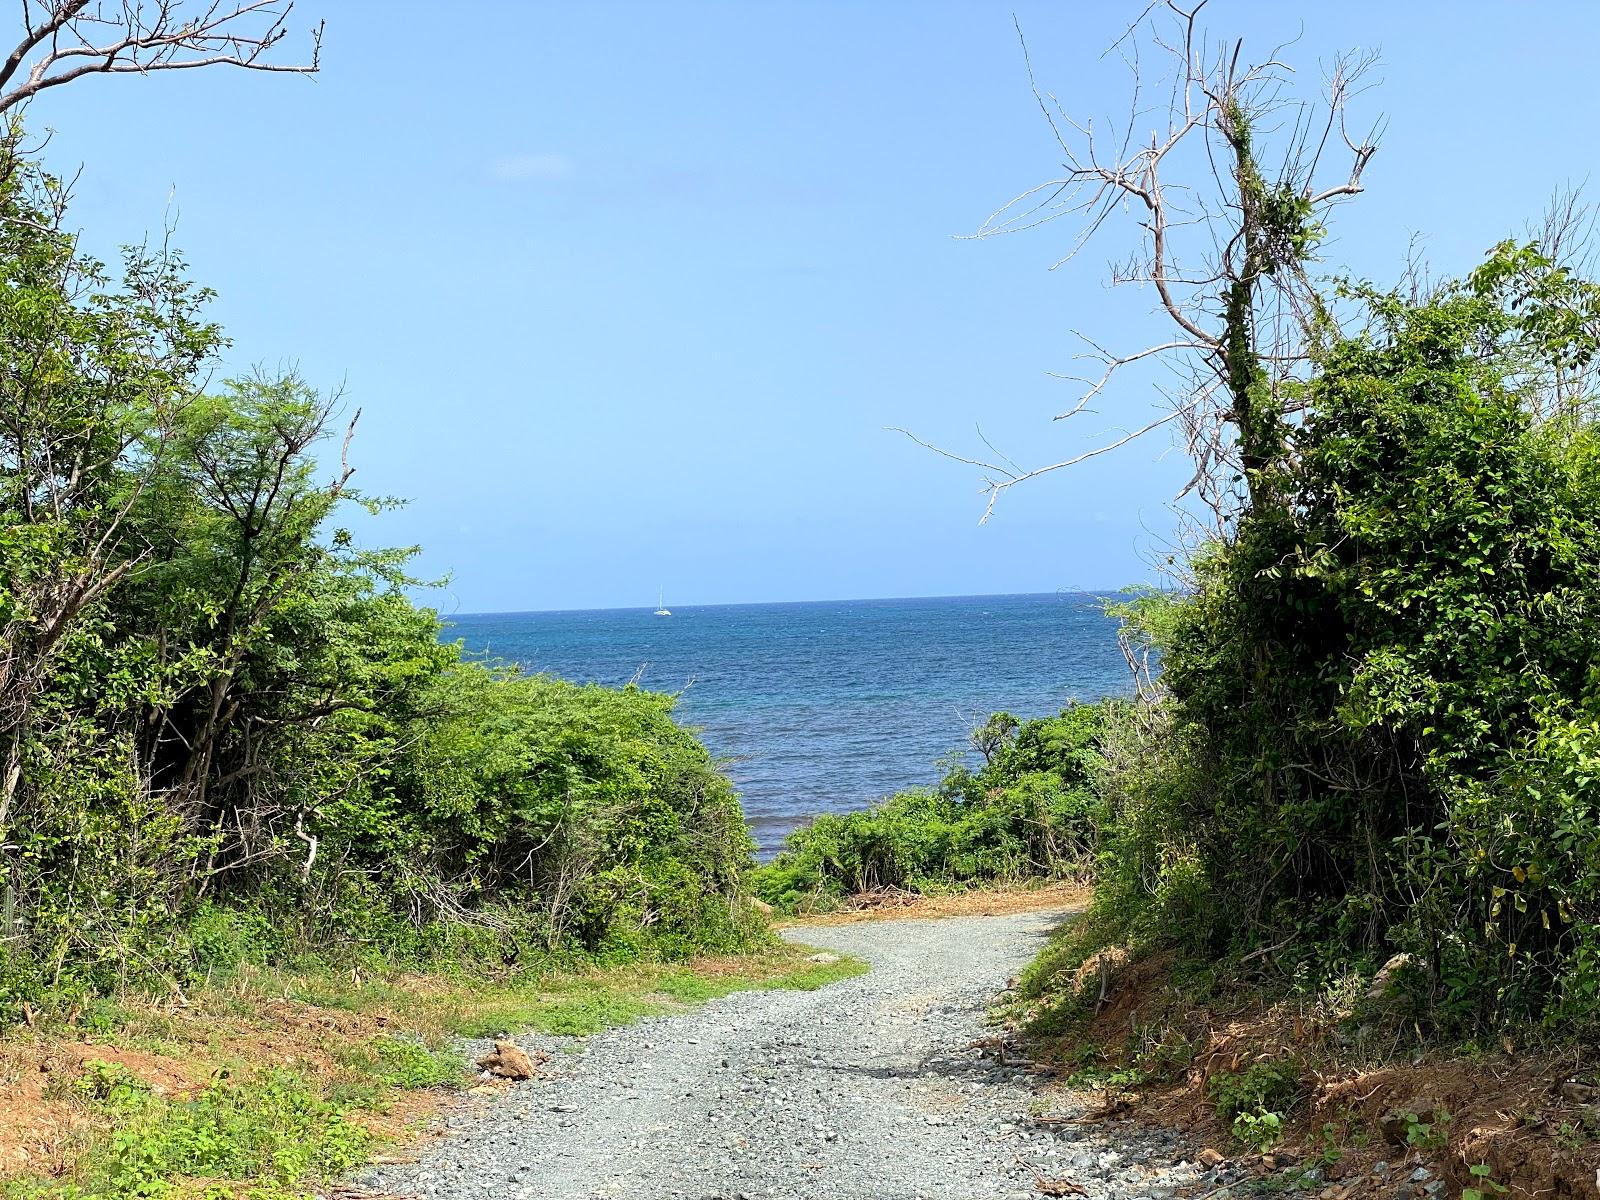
x=1299 y=1179
x=1106 y=1079
x=403 y=1063
x=273 y=1129
x=102 y=1017
x=1483 y=1185
x=1332 y=1144
x=1266 y=1087
x=1162 y=1049
x=1428 y=1135
x=1254 y=1101
x=1570 y=1136
x=1260 y=1130
x=109 y=1083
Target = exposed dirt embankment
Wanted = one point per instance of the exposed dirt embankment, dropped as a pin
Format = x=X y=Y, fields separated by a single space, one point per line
x=1364 y=1112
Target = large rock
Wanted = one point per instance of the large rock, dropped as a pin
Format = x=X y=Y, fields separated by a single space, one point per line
x=510 y=1061
x=1578 y=1091
x=1387 y=976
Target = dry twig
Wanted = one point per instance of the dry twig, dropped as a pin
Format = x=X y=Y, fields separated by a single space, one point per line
x=64 y=40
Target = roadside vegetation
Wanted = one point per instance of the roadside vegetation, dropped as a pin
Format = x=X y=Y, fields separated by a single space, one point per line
x=268 y=840
x=1027 y=814
x=1376 y=734
x=1365 y=787
x=1347 y=839
x=269 y=1082
x=227 y=734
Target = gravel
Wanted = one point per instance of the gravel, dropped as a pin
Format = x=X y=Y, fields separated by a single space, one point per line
x=868 y=1088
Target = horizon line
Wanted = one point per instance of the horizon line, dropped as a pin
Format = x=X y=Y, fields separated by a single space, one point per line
x=1059 y=592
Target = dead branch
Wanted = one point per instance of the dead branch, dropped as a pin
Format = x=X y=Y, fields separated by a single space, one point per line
x=1211 y=228
x=63 y=40
x=999 y=477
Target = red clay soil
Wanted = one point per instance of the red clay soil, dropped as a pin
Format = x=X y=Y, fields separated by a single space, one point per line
x=1509 y=1116
x=43 y=1124
x=40 y=1122
x=1531 y=1119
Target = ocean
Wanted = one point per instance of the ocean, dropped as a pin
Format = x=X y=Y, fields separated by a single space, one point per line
x=827 y=706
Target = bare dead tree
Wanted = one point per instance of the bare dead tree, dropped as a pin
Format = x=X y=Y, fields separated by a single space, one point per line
x=63 y=40
x=1565 y=237
x=1224 y=240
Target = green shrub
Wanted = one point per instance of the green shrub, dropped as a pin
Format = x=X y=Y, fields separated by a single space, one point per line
x=1260 y=1130
x=273 y=1129
x=1029 y=812
x=228 y=735
x=1263 y=1087
x=409 y=1064
x=224 y=939
x=1379 y=720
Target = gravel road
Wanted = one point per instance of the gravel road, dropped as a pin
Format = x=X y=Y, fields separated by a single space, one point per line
x=867 y=1088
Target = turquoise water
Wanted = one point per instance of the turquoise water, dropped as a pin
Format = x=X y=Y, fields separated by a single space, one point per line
x=826 y=706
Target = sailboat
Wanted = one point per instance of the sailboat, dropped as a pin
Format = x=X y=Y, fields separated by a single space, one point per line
x=661 y=607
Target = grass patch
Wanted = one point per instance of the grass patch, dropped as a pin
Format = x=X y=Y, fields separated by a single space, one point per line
x=269 y=1083
x=403 y=1063
x=588 y=1009
x=585 y=1004
x=274 y=1130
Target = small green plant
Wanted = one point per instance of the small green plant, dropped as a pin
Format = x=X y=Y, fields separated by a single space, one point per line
x=1483 y=1185
x=109 y=1083
x=408 y=1064
x=1260 y=1130
x=1428 y=1134
x=1332 y=1145
x=102 y=1017
x=1085 y=1055
x=1270 y=1086
x=1295 y=1179
x=1571 y=1136
x=1255 y=1101
x=1106 y=1078
x=1163 y=1051
x=273 y=1129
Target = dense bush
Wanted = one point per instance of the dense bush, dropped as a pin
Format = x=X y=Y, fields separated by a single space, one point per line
x=225 y=730
x=1028 y=812
x=1382 y=723
x=608 y=822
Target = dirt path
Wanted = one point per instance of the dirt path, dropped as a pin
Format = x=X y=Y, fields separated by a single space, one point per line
x=868 y=1088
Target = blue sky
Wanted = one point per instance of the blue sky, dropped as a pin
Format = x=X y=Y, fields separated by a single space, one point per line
x=628 y=293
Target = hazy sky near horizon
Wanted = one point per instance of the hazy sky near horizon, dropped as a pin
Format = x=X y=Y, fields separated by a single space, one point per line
x=630 y=293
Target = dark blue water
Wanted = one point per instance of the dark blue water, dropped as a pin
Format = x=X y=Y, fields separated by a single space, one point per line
x=827 y=706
